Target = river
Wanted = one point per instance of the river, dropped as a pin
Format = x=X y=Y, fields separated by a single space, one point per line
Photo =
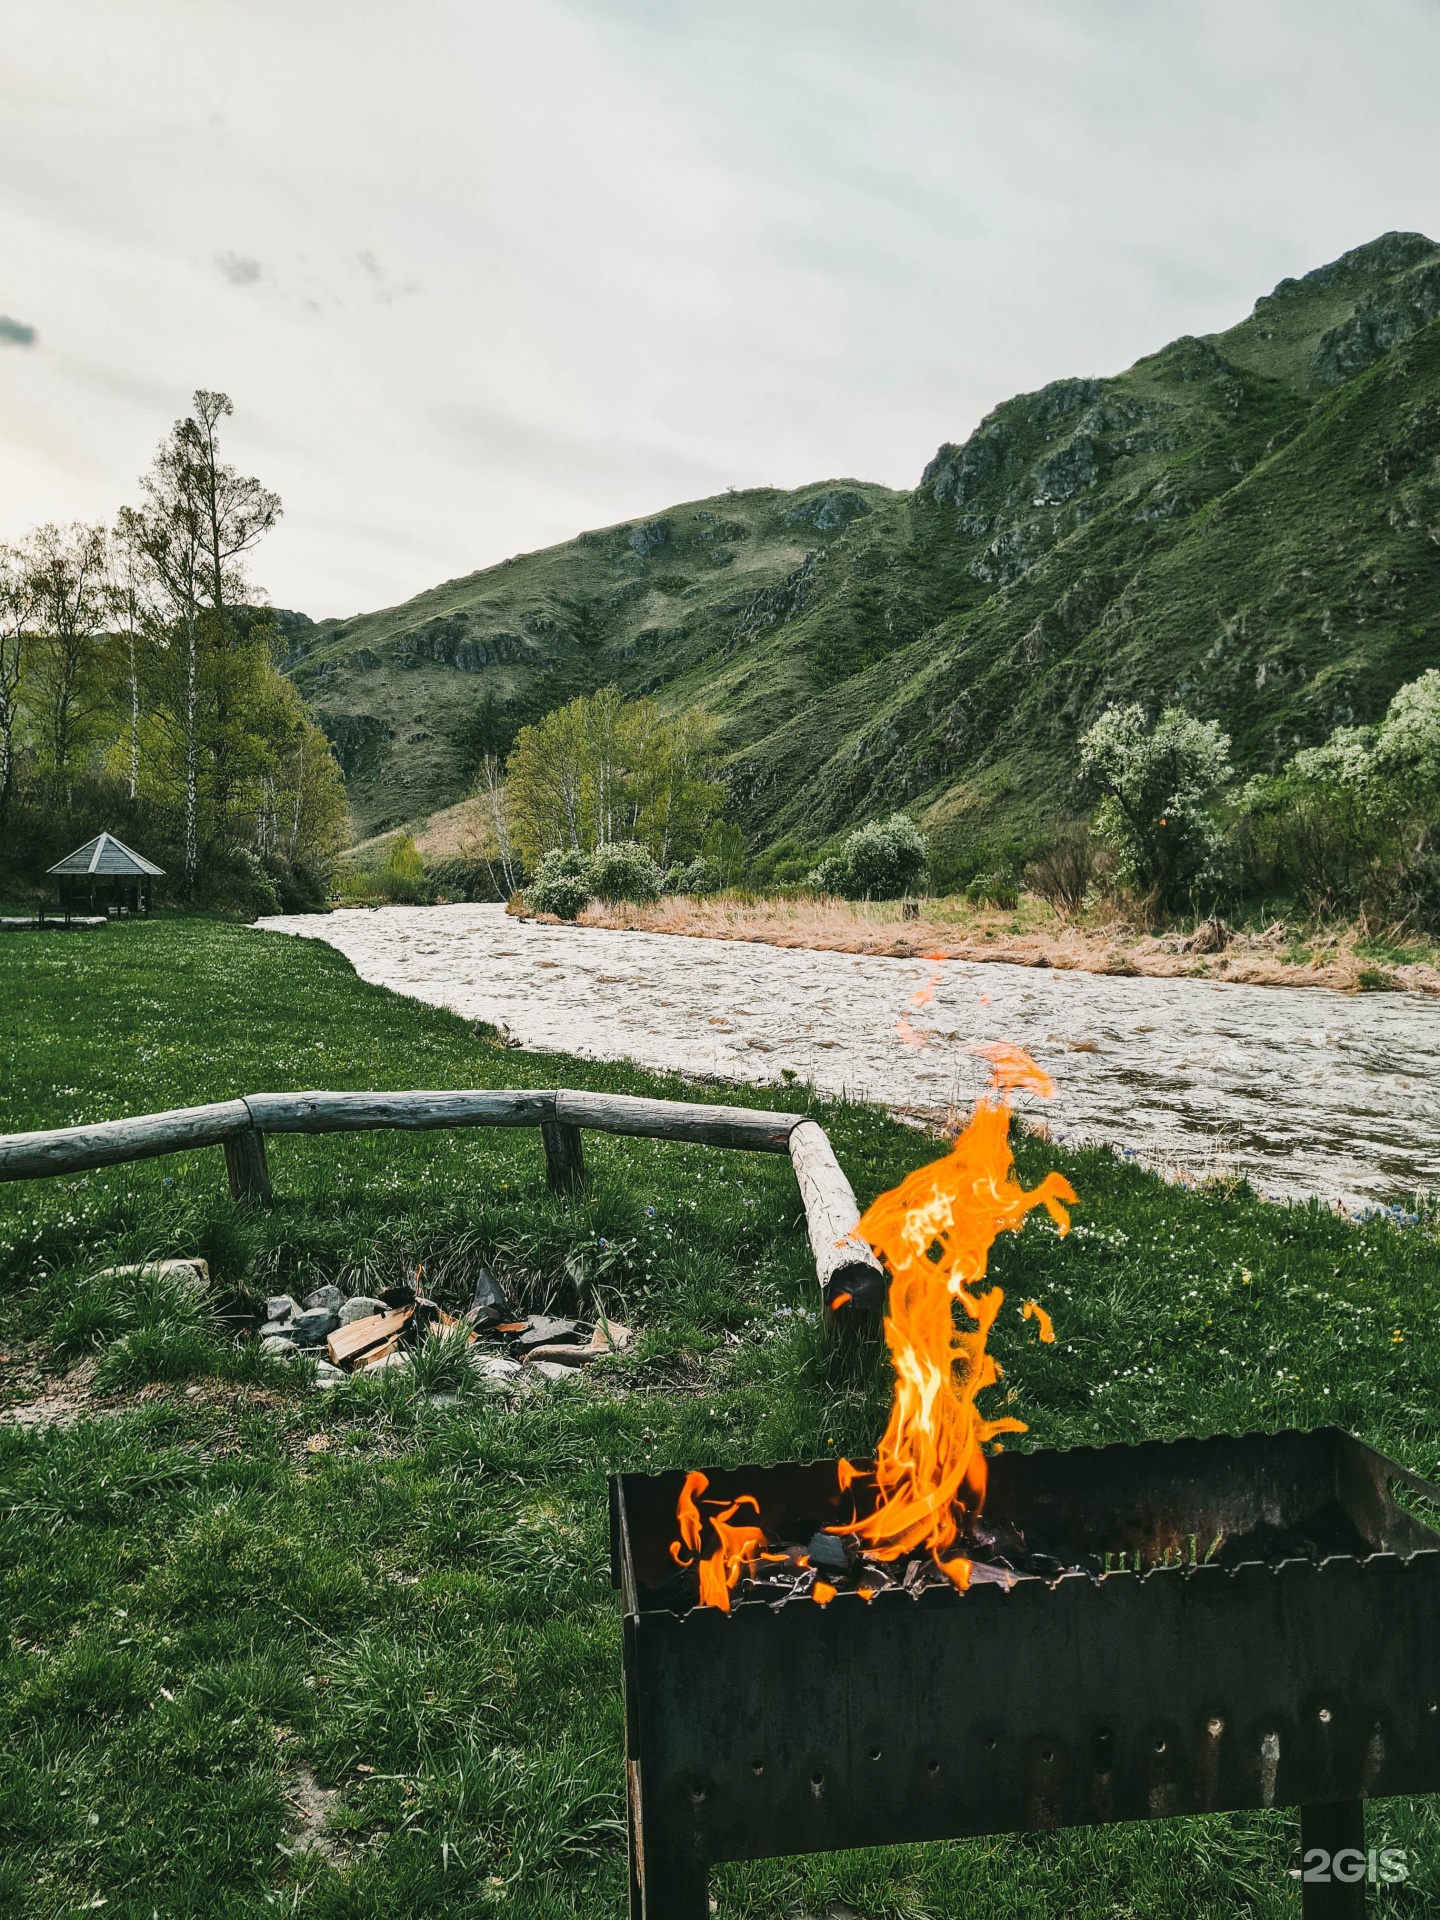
x=1306 y=1091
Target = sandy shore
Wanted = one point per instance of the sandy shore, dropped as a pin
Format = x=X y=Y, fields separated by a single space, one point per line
x=1267 y=959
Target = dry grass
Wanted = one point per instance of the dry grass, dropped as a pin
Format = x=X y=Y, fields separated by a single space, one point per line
x=1034 y=935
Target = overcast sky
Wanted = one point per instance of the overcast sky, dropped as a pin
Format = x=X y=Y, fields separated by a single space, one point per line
x=480 y=274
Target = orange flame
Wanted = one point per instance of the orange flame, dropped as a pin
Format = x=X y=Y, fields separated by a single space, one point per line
x=737 y=1546
x=919 y=1036
x=934 y=1232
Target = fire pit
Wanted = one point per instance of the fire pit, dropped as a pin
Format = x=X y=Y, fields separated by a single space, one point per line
x=952 y=1640
x=1250 y=1623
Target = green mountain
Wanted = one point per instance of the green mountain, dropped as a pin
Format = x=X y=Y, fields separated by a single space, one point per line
x=1247 y=523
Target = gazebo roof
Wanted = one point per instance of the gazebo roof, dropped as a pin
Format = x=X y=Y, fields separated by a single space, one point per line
x=107 y=855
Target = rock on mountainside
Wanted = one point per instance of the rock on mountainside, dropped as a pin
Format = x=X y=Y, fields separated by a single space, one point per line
x=1248 y=523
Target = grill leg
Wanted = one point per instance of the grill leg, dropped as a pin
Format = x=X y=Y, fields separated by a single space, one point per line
x=1336 y=1830
x=673 y=1889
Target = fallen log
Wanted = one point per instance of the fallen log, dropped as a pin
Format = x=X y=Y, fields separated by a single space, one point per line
x=848 y=1269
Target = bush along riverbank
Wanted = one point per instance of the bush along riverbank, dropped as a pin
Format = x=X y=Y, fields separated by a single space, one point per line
x=353 y=1651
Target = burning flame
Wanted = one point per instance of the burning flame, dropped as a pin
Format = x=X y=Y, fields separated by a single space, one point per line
x=738 y=1546
x=934 y=1232
x=919 y=1036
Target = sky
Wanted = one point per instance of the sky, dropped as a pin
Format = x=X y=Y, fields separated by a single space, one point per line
x=480 y=275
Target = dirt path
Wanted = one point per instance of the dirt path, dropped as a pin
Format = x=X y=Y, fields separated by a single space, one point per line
x=1308 y=1092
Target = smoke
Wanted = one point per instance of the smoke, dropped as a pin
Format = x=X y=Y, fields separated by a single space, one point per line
x=15 y=333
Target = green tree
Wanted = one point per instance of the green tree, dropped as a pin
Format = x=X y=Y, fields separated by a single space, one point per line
x=17 y=608
x=222 y=727
x=598 y=770
x=68 y=588
x=1158 y=787
x=1353 y=824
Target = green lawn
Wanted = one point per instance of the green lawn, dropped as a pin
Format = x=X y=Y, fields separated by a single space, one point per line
x=223 y=1606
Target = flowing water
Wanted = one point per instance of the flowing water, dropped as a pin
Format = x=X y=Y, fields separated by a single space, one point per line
x=1306 y=1091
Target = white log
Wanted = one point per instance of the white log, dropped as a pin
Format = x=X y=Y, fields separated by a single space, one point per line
x=846 y=1266
x=358 y=1112
x=755 y=1129
x=33 y=1156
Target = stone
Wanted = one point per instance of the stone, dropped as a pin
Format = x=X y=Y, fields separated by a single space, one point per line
x=545 y=1331
x=360 y=1306
x=331 y=1298
x=443 y=1399
x=328 y=1376
x=311 y=1327
x=489 y=1306
x=497 y=1372
x=275 y=1343
x=278 y=1330
x=192 y=1272
x=553 y=1372
x=388 y=1361
x=281 y=1306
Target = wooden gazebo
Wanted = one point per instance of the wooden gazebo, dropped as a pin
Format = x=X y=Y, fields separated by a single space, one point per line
x=105 y=876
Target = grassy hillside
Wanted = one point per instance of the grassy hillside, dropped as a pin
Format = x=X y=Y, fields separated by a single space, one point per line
x=1249 y=523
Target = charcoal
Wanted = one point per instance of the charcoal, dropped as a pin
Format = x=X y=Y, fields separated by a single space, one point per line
x=828 y=1551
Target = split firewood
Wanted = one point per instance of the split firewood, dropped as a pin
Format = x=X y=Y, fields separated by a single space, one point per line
x=349 y=1344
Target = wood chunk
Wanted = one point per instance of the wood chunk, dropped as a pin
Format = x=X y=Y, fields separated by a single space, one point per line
x=348 y=1343
x=564 y=1356
x=610 y=1337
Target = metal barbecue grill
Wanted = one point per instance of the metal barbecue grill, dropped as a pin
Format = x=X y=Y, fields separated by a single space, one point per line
x=1254 y=1625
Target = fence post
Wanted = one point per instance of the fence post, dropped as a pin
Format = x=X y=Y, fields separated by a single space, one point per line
x=564 y=1157
x=248 y=1168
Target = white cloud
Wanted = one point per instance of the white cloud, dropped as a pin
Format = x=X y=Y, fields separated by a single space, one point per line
x=531 y=269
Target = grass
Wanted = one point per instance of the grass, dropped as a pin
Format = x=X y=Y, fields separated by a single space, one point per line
x=228 y=1598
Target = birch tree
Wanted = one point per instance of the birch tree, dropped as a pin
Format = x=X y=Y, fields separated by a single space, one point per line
x=70 y=602
x=17 y=604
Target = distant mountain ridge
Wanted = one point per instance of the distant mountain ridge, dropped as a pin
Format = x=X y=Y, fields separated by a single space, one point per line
x=1248 y=523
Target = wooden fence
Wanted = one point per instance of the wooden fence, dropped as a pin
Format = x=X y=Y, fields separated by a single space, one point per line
x=851 y=1277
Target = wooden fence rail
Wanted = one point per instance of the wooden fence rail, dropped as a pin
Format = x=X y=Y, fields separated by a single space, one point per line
x=852 y=1280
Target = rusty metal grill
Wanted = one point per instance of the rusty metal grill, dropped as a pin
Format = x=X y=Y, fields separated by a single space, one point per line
x=1277 y=1646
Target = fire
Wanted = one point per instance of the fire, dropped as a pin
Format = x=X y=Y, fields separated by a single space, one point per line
x=934 y=1232
x=738 y=1546
x=919 y=1037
